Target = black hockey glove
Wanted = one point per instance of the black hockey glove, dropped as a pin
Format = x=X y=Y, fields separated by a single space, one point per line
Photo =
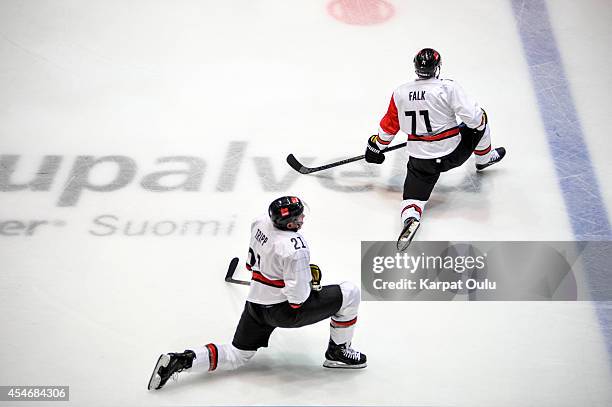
x=315 y=283
x=373 y=154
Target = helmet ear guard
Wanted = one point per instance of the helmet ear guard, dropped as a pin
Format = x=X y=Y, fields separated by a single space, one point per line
x=427 y=63
x=285 y=210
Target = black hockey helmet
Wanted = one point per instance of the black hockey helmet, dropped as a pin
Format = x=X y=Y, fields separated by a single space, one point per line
x=427 y=63
x=285 y=210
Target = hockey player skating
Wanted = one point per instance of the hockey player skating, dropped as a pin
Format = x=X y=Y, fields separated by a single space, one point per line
x=285 y=292
x=427 y=109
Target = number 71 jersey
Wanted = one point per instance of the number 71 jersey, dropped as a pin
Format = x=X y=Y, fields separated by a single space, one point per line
x=427 y=110
x=280 y=264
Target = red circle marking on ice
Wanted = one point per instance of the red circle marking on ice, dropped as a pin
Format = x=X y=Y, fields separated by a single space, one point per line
x=361 y=12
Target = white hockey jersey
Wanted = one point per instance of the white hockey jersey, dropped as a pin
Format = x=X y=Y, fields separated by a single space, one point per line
x=427 y=110
x=280 y=263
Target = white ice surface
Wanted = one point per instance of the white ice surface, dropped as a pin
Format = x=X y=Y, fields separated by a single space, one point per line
x=154 y=79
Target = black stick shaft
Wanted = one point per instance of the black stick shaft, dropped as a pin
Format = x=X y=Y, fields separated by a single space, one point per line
x=296 y=165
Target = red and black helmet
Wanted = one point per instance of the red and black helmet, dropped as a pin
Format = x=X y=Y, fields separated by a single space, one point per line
x=427 y=63
x=285 y=210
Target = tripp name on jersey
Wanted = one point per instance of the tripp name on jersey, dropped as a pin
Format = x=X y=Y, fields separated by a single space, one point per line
x=260 y=237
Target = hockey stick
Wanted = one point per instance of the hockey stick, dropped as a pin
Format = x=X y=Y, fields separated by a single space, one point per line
x=230 y=273
x=296 y=165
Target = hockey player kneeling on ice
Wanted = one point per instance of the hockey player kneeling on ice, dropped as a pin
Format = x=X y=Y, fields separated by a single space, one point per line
x=285 y=292
x=426 y=109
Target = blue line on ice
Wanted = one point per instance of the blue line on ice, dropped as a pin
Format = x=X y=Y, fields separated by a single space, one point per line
x=577 y=179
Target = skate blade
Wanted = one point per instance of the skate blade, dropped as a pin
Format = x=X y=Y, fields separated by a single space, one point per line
x=155 y=379
x=406 y=236
x=332 y=364
x=482 y=167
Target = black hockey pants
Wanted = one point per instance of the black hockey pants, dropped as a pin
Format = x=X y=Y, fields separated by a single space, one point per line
x=423 y=174
x=258 y=321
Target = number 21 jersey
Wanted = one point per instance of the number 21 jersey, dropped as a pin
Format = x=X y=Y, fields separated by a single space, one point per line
x=279 y=261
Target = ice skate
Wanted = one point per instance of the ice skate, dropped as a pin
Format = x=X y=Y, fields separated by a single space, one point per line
x=495 y=157
x=410 y=227
x=343 y=357
x=167 y=365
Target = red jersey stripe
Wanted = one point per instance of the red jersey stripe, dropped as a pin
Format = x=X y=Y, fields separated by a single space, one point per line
x=260 y=278
x=381 y=141
x=436 y=137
